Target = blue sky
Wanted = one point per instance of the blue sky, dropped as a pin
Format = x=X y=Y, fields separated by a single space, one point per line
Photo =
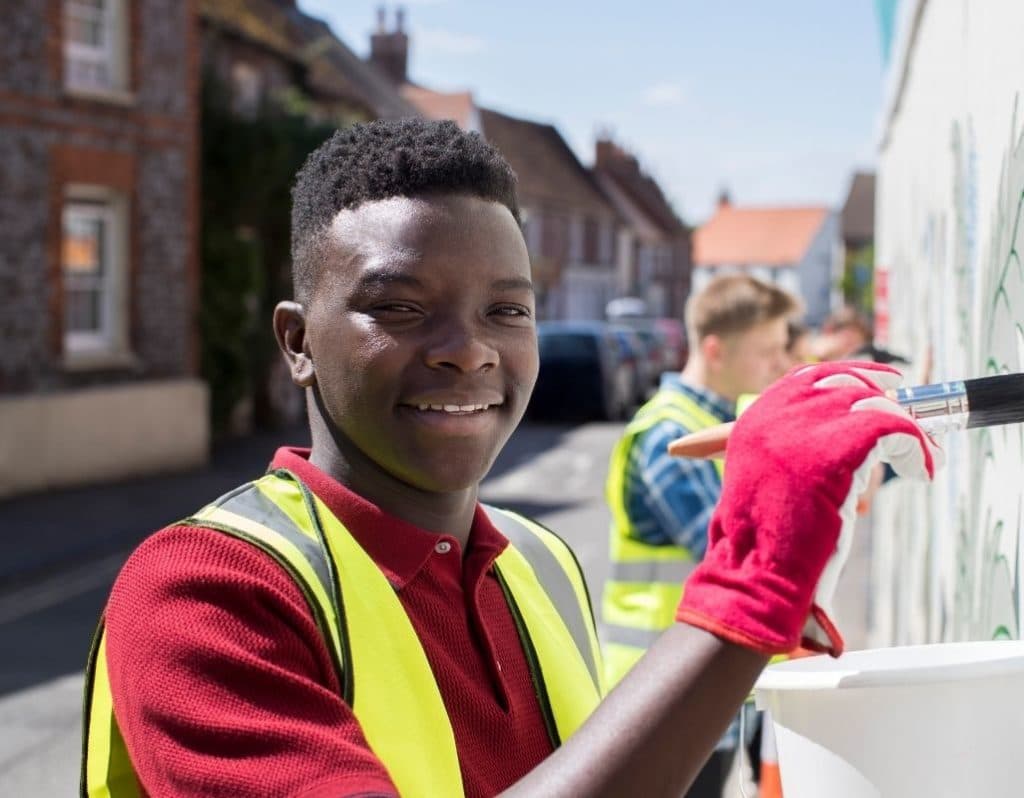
x=778 y=101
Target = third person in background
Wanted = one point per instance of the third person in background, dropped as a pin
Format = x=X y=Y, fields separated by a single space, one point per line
x=661 y=505
x=844 y=333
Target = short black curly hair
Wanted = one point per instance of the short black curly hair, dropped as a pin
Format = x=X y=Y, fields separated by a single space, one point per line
x=383 y=159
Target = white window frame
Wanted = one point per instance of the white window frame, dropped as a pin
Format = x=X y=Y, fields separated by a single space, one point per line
x=111 y=207
x=111 y=52
x=576 y=238
x=246 y=89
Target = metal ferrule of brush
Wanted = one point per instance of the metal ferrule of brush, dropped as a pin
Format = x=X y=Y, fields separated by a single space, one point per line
x=937 y=408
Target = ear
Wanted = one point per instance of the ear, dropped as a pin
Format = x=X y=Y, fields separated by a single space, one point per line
x=711 y=348
x=290 y=331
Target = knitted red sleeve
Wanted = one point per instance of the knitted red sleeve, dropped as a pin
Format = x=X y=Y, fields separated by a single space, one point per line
x=222 y=684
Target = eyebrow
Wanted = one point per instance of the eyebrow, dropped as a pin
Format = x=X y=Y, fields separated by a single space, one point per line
x=513 y=284
x=386 y=277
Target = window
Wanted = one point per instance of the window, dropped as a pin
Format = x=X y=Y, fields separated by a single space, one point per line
x=94 y=45
x=576 y=239
x=591 y=245
x=93 y=268
x=247 y=92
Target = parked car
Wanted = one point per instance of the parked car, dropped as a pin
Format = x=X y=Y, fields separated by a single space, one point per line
x=638 y=353
x=675 y=350
x=585 y=372
x=664 y=338
x=654 y=349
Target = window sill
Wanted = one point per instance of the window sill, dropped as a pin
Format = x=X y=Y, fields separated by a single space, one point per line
x=111 y=96
x=98 y=361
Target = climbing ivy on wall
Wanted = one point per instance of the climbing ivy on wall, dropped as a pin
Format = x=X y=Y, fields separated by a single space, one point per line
x=248 y=164
x=858 y=281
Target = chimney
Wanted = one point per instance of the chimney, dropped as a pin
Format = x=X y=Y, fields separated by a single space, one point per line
x=604 y=152
x=724 y=201
x=611 y=157
x=389 y=50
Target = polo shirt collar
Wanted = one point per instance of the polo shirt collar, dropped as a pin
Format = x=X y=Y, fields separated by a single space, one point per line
x=399 y=549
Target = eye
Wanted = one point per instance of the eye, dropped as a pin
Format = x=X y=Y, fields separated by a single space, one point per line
x=394 y=310
x=512 y=311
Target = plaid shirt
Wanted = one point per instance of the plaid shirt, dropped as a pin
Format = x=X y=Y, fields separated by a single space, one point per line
x=670 y=499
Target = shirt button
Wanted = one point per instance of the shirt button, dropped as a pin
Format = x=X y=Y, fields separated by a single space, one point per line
x=443 y=547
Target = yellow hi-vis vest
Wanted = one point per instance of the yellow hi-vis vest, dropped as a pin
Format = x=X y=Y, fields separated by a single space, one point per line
x=645 y=581
x=381 y=665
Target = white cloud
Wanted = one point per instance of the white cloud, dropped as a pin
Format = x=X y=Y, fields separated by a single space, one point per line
x=445 y=42
x=663 y=94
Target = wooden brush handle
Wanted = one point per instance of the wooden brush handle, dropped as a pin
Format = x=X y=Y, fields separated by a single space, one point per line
x=705 y=444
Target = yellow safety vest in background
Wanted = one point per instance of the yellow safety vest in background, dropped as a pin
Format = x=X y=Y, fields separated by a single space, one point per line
x=381 y=665
x=645 y=581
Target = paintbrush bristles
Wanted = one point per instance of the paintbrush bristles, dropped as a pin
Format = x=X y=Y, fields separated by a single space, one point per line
x=995 y=400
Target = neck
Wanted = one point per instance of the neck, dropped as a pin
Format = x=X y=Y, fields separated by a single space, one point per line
x=334 y=454
x=698 y=374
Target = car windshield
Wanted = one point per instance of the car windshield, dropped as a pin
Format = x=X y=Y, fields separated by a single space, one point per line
x=567 y=345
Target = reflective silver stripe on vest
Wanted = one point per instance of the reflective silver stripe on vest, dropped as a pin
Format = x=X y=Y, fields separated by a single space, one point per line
x=630 y=636
x=552 y=578
x=249 y=502
x=647 y=571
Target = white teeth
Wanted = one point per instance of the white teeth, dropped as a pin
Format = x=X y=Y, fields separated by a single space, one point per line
x=453 y=408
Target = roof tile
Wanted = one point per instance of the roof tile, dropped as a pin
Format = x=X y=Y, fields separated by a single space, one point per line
x=772 y=236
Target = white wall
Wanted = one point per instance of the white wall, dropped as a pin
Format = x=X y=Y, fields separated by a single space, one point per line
x=101 y=434
x=949 y=222
x=816 y=271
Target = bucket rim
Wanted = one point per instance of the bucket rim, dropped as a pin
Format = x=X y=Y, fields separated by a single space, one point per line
x=961 y=661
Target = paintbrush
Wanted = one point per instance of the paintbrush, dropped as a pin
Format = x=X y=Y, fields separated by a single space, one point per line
x=938 y=408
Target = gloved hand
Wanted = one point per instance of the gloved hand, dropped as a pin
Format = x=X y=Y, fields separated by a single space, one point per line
x=796 y=462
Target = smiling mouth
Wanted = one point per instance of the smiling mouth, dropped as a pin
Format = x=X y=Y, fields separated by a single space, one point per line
x=453 y=409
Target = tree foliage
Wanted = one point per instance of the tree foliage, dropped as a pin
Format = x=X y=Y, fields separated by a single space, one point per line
x=248 y=163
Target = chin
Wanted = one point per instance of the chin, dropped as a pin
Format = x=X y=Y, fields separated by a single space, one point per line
x=450 y=476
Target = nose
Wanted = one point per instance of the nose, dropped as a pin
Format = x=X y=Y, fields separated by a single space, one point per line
x=461 y=345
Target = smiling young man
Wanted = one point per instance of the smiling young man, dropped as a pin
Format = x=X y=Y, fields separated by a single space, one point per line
x=355 y=622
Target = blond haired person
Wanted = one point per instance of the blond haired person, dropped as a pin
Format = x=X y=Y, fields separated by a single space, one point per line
x=661 y=505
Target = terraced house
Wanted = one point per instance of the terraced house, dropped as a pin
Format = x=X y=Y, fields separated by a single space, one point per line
x=98 y=263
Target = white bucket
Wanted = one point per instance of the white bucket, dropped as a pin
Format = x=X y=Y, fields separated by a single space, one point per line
x=942 y=721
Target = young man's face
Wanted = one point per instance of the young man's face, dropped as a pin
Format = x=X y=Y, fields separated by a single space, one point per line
x=752 y=360
x=422 y=335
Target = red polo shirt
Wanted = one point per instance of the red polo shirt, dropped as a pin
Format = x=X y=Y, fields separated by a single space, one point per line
x=223 y=686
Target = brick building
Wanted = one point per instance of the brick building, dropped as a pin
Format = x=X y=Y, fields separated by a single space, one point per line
x=654 y=248
x=98 y=262
x=269 y=51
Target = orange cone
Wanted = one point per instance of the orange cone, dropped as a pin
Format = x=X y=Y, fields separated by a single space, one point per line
x=770 y=784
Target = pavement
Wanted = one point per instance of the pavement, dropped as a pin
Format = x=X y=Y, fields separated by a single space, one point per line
x=112 y=517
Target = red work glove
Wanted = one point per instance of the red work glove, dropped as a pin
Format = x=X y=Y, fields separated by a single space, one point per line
x=796 y=463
